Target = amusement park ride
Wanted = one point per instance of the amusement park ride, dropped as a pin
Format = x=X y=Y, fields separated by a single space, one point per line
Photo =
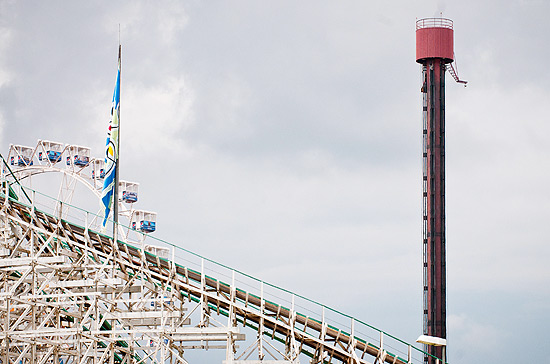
x=71 y=293
x=74 y=163
x=435 y=52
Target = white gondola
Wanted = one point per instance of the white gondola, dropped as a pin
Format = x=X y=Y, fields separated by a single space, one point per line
x=49 y=151
x=144 y=221
x=159 y=251
x=78 y=156
x=98 y=169
x=128 y=191
x=21 y=155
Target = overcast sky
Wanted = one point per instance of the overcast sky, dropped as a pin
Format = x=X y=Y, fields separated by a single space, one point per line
x=284 y=139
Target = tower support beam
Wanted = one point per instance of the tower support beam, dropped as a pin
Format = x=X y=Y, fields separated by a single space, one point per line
x=434 y=290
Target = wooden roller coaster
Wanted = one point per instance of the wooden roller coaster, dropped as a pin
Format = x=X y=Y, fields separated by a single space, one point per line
x=70 y=294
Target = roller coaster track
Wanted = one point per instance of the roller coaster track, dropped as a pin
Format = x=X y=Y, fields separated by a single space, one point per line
x=70 y=294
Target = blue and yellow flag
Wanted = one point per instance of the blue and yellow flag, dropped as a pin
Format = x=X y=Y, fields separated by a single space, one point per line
x=111 y=151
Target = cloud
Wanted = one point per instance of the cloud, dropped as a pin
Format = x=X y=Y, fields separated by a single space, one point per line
x=225 y=114
x=494 y=163
x=154 y=117
x=163 y=23
x=5 y=76
x=469 y=335
x=5 y=44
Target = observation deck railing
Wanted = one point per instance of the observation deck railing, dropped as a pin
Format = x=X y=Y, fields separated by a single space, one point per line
x=434 y=23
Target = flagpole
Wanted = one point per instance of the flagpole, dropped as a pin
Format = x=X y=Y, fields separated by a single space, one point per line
x=117 y=163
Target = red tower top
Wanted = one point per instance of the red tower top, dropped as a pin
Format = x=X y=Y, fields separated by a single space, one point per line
x=434 y=39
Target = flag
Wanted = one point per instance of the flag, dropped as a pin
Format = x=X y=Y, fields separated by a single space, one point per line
x=111 y=151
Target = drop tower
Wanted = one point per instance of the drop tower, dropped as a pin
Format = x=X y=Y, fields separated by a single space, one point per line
x=434 y=51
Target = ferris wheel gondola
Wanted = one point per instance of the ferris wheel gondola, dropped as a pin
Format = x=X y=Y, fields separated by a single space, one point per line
x=27 y=163
x=49 y=151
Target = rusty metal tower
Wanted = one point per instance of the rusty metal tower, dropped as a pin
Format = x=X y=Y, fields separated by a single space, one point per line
x=434 y=51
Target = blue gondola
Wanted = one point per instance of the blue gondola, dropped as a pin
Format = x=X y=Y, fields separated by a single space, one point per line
x=147 y=226
x=11 y=160
x=54 y=156
x=49 y=151
x=129 y=194
x=81 y=161
x=23 y=161
x=129 y=197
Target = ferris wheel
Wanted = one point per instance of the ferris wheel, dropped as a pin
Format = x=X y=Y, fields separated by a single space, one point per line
x=75 y=166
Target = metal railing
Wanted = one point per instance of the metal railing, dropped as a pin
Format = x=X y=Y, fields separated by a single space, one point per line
x=434 y=23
